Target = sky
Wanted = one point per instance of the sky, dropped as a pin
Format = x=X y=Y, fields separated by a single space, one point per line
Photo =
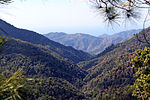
x=69 y=16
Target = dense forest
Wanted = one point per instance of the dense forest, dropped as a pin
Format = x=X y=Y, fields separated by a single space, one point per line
x=110 y=73
x=51 y=71
x=33 y=67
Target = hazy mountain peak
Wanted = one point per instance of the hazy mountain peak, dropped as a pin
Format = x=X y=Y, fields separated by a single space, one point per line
x=79 y=34
x=127 y=32
x=56 y=33
x=89 y=43
x=103 y=35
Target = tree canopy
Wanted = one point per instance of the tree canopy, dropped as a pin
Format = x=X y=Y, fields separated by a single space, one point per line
x=141 y=87
x=119 y=9
x=5 y=1
x=115 y=11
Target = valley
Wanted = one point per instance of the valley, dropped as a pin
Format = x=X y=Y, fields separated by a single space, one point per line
x=63 y=73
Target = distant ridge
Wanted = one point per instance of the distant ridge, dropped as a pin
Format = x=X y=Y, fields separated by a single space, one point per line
x=89 y=43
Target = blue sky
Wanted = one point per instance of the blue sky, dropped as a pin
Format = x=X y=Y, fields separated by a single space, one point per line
x=69 y=16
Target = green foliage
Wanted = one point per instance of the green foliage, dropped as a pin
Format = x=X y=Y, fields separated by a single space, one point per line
x=118 y=94
x=11 y=85
x=53 y=88
x=38 y=60
x=108 y=74
x=3 y=40
x=40 y=63
x=141 y=87
x=111 y=71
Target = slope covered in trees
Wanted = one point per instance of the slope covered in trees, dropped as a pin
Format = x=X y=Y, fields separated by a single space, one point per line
x=110 y=72
x=53 y=88
x=107 y=76
x=53 y=76
x=38 y=60
x=35 y=38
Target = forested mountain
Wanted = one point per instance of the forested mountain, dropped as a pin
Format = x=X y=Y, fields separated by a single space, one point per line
x=35 y=38
x=38 y=60
x=55 y=77
x=110 y=72
x=89 y=43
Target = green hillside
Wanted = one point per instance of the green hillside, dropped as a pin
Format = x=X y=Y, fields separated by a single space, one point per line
x=58 y=75
x=53 y=88
x=110 y=72
x=38 y=60
x=55 y=75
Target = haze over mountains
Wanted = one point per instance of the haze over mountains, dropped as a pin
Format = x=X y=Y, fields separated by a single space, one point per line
x=89 y=43
x=35 y=38
x=52 y=65
x=64 y=73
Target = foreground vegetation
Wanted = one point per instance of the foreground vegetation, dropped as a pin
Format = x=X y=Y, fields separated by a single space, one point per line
x=108 y=76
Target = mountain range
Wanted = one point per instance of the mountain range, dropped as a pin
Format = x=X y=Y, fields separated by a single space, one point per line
x=89 y=43
x=52 y=65
x=64 y=73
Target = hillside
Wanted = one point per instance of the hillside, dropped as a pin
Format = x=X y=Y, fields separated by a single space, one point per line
x=55 y=77
x=110 y=72
x=35 y=38
x=38 y=61
x=107 y=76
x=89 y=43
x=53 y=88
